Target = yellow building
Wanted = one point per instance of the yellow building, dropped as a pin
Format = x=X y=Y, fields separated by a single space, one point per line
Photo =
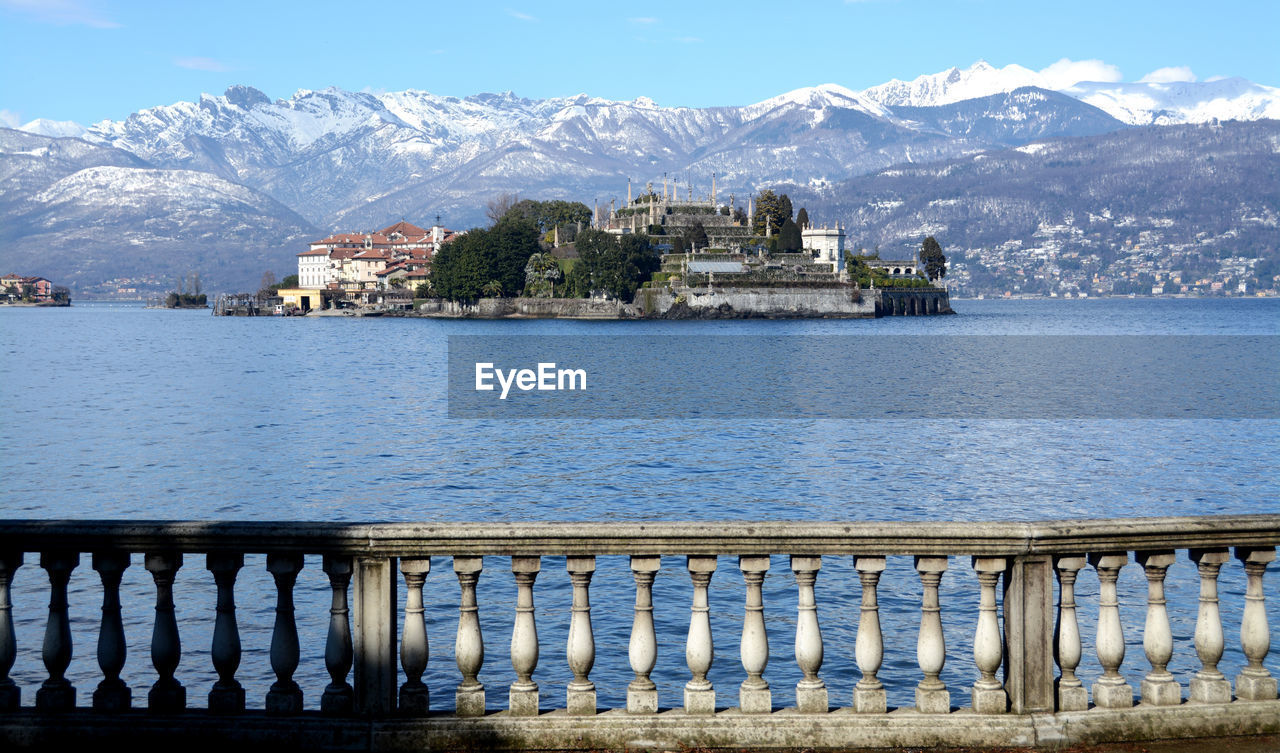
x=302 y=298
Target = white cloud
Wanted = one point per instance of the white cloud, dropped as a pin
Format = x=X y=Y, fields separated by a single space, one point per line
x=62 y=12
x=643 y=21
x=519 y=15
x=1173 y=74
x=202 y=64
x=1067 y=72
x=9 y=119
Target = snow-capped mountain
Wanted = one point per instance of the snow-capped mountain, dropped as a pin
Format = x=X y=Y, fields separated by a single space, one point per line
x=334 y=159
x=1140 y=103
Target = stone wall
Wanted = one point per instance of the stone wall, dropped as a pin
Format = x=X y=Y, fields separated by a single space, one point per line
x=767 y=302
x=526 y=308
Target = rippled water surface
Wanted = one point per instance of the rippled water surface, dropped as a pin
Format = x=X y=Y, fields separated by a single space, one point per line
x=129 y=413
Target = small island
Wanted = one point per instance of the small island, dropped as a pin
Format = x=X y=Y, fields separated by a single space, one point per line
x=660 y=256
x=19 y=290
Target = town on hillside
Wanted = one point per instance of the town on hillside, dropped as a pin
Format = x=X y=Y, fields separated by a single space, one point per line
x=671 y=253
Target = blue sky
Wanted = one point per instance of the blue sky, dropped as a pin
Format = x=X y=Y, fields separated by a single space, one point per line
x=86 y=60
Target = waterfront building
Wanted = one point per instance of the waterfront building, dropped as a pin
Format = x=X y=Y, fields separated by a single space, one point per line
x=354 y=261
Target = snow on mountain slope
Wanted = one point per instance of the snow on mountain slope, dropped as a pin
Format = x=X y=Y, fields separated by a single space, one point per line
x=54 y=128
x=1160 y=103
x=1140 y=103
x=954 y=85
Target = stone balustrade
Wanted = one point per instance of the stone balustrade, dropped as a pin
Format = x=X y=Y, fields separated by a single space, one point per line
x=1026 y=693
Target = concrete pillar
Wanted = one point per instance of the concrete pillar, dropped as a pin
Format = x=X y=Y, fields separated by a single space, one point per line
x=1159 y=688
x=1110 y=691
x=642 y=650
x=988 y=695
x=581 y=650
x=754 y=696
x=1209 y=684
x=10 y=693
x=811 y=691
x=1028 y=633
x=339 y=696
x=167 y=694
x=415 y=696
x=375 y=635
x=932 y=696
x=1255 y=683
x=699 y=694
x=523 y=698
x=869 y=694
x=284 y=697
x=112 y=693
x=468 y=647
x=1070 y=692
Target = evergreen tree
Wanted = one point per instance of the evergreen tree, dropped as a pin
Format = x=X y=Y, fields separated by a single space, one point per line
x=695 y=236
x=932 y=258
x=771 y=209
x=802 y=218
x=789 y=238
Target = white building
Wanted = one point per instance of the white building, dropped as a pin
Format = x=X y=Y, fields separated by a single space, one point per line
x=828 y=243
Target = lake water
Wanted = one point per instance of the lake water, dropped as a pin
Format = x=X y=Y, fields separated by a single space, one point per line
x=128 y=413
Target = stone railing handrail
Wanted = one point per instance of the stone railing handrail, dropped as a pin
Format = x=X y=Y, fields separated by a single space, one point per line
x=1026 y=646
x=996 y=538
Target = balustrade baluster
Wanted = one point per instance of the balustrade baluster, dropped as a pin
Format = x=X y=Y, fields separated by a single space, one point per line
x=811 y=691
x=699 y=651
x=1255 y=683
x=581 y=650
x=339 y=696
x=227 y=695
x=1209 y=684
x=112 y=694
x=1110 y=691
x=523 y=698
x=414 y=695
x=167 y=694
x=10 y=693
x=284 y=697
x=932 y=696
x=1159 y=688
x=988 y=695
x=754 y=696
x=468 y=648
x=869 y=694
x=1070 y=692
x=642 y=693
x=57 y=693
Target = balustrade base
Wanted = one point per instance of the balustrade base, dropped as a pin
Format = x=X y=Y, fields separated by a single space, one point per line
x=226 y=700
x=700 y=701
x=617 y=730
x=812 y=700
x=523 y=702
x=469 y=701
x=56 y=697
x=581 y=702
x=870 y=700
x=117 y=697
x=933 y=701
x=1112 y=696
x=167 y=700
x=1071 y=697
x=755 y=700
x=990 y=700
x=336 y=700
x=10 y=696
x=414 y=701
x=286 y=700
x=1210 y=690
x=1161 y=692
x=642 y=701
x=1255 y=688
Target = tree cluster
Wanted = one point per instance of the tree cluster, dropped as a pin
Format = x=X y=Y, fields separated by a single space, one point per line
x=484 y=262
x=611 y=264
x=771 y=211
